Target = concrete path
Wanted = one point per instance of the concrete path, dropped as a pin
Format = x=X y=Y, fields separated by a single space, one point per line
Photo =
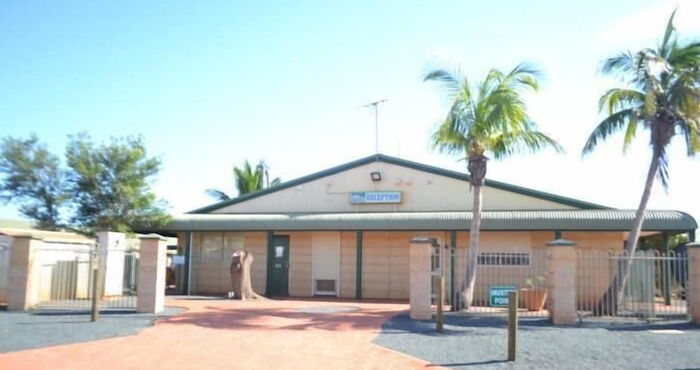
x=224 y=334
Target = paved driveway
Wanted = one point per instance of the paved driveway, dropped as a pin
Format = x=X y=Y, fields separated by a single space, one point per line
x=218 y=334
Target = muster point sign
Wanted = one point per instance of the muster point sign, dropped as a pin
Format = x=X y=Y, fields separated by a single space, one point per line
x=498 y=295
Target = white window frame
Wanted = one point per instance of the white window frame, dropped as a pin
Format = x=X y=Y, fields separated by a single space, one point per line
x=504 y=256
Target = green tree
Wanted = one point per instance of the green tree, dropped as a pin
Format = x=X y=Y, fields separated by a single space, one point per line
x=247 y=179
x=32 y=179
x=110 y=185
x=661 y=94
x=489 y=117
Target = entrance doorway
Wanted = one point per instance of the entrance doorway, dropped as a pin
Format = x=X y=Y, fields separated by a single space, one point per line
x=279 y=266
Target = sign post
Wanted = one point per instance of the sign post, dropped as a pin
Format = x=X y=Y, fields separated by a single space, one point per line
x=512 y=325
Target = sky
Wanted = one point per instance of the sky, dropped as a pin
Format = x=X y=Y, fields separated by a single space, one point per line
x=211 y=84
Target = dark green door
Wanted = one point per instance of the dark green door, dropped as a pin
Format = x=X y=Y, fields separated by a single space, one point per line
x=279 y=275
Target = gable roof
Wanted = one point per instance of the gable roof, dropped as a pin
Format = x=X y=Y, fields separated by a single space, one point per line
x=403 y=163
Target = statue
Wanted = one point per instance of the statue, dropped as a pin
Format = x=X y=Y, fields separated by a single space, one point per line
x=241 y=262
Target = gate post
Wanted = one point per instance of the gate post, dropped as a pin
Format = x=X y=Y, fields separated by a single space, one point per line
x=693 y=282
x=562 y=282
x=420 y=278
x=151 y=272
x=22 y=290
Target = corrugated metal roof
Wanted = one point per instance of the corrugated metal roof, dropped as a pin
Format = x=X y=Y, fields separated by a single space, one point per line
x=601 y=220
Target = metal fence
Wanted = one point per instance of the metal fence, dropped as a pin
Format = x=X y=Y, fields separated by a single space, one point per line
x=66 y=278
x=497 y=273
x=656 y=287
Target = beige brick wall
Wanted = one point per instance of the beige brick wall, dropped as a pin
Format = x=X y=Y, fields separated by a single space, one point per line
x=348 y=249
x=256 y=243
x=300 y=264
x=385 y=262
x=385 y=269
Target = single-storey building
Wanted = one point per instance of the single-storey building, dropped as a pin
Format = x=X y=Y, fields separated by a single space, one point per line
x=345 y=231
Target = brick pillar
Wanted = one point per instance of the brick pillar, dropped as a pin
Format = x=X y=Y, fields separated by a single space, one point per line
x=151 y=288
x=693 y=282
x=22 y=292
x=561 y=301
x=420 y=278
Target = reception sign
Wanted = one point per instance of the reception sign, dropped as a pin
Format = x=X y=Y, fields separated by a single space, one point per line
x=375 y=197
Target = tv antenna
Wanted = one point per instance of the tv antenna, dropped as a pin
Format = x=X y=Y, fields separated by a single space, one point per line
x=375 y=104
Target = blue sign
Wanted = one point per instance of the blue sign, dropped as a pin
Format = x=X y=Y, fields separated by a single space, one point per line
x=498 y=295
x=375 y=197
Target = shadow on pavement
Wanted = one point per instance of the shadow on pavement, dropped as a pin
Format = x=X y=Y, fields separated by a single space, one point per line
x=244 y=316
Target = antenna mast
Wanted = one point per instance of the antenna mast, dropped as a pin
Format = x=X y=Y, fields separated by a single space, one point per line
x=376 y=121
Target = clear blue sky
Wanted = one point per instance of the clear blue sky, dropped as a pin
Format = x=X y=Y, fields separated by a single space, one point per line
x=209 y=84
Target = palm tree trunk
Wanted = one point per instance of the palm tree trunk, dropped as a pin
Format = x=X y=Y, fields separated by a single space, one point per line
x=611 y=301
x=468 y=291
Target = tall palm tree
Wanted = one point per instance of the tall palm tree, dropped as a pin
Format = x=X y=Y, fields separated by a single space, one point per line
x=489 y=117
x=247 y=180
x=662 y=94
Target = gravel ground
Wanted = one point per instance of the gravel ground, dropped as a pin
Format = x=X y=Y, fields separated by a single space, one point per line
x=469 y=342
x=34 y=329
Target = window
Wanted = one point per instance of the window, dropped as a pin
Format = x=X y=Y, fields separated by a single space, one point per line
x=504 y=259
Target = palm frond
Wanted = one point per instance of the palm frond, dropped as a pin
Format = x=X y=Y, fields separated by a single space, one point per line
x=217 y=194
x=450 y=81
x=621 y=64
x=525 y=75
x=630 y=133
x=666 y=46
x=610 y=125
x=615 y=100
x=662 y=173
x=450 y=137
x=682 y=57
x=521 y=141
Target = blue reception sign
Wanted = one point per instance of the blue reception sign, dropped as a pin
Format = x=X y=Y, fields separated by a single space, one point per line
x=375 y=197
x=498 y=295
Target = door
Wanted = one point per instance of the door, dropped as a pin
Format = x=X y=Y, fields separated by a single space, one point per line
x=279 y=266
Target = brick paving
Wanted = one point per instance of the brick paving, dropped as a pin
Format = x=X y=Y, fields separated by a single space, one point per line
x=218 y=334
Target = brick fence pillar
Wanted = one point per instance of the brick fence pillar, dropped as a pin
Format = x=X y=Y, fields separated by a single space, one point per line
x=151 y=280
x=693 y=283
x=420 y=278
x=22 y=292
x=561 y=301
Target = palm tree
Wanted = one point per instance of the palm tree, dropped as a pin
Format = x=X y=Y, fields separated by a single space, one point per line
x=247 y=180
x=662 y=94
x=265 y=170
x=489 y=117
